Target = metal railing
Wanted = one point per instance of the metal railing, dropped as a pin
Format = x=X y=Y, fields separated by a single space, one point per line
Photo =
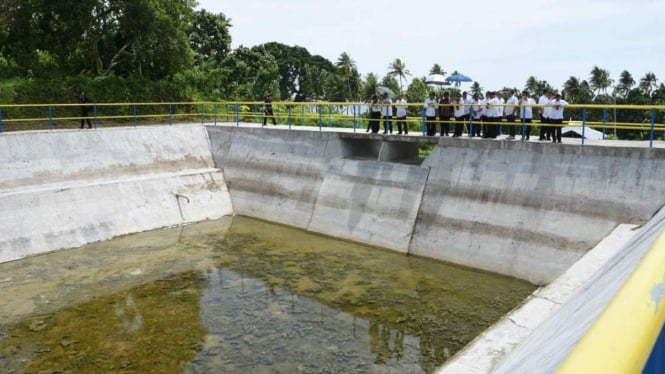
x=647 y=120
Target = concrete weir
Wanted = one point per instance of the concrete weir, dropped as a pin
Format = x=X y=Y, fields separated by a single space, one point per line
x=527 y=210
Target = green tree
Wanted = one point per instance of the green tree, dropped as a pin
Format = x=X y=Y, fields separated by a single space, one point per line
x=349 y=72
x=531 y=85
x=626 y=83
x=571 y=88
x=209 y=36
x=416 y=93
x=398 y=68
x=648 y=83
x=600 y=80
x=369 y=86
x=476 y=89
x=437 y=69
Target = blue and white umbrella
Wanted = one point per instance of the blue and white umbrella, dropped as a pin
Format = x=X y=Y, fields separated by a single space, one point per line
x=457 y=78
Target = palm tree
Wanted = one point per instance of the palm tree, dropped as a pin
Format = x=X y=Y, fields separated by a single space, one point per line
x=571 y=88
x=476 y=89
x=600 y=80
x=648 y=83
x=437 y=69
x=347 y=70
x=531 y=85
x=398 y=68
x=626 y=83
x=457 y=83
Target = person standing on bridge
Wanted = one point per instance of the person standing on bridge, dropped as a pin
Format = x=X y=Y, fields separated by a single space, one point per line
x=85 y=110
x=445 y=113
x=556 y=117
x=401 y=106
x=429 y=107
x=387 y=109
x=267 y=109
x=526 y=113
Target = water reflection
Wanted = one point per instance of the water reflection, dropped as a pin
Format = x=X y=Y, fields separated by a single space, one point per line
x=251 y=297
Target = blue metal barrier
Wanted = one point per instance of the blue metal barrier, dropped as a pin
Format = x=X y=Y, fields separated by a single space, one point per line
x=135 y=119
x=1 y=129
x=50 y=117
x=583 y=124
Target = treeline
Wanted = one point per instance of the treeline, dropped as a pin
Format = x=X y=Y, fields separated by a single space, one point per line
x=166 y=50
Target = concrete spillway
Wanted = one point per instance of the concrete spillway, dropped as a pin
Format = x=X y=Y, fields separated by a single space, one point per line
x=527 y=210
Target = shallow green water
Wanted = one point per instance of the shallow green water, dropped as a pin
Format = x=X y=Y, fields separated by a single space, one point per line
x=241 y=296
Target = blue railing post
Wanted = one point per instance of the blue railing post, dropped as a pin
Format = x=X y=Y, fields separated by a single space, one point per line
x=1 y=129
x=470 y=123
x=604 y=122
x=290 y=119
x=50 y=117
x=302 y=114
x=203 y=113
x=423 y=125
x=263 y=115
x=170 y=115
x=236 y=109
x=214 y=109
x=135 y=119
x=523 y=123
x=653 y=124
x=583 y=124
x=94 y=115
x=354 y=118
x=320 y=109
x=329 y=116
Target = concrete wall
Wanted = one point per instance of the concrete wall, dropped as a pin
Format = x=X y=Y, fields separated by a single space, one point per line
x=61 y=189
x=528 y=210
x=320 y=182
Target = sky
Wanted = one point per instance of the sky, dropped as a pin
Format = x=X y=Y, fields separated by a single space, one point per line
x=496 y=43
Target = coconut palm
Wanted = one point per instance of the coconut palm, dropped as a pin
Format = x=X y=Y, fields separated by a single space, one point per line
x=476 y=89
x=626 y=83
x=398 y=68
x=648 y=82
x=348 y=71
x=571 y=88
x=600 y=80
x=437 y=69
x=531 y=84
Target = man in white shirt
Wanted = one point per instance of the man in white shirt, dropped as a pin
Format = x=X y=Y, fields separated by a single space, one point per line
x=493 y=116
x=556 y=117
x=510 y=111
x=544 y=116
x=401 y=106
x=526 y=113
x=476 y=115
x=387 y=109
x=460 y=115
x=430 y=107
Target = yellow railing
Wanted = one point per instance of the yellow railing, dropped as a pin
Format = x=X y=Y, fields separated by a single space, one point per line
x=623 y=337
x=329 y=114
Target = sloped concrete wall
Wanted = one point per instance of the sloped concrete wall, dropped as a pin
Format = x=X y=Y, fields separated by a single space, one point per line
x=312 y=180
x=528 y=210
x=61 y=189
x=531 y=210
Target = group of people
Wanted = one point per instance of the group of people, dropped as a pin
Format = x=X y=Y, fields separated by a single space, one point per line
x=483 y=116
x=383 y=109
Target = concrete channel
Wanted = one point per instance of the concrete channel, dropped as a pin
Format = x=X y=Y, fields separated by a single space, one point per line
x=554 y=215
